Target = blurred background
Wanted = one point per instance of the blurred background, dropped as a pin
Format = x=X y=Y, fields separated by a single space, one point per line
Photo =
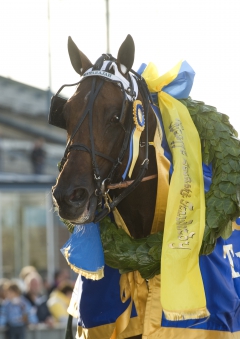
x=34 y=63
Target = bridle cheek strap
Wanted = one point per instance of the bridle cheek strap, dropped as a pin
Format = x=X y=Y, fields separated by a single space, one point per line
x=94 y=93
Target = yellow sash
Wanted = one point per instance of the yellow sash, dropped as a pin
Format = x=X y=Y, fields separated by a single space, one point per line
x=182 y=293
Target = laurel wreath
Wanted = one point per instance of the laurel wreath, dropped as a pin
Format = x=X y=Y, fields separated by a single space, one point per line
x=220 y=147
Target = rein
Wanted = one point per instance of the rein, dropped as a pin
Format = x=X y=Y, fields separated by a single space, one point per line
x=127 y=183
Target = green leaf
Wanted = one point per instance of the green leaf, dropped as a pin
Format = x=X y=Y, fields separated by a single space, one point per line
x=227 y=168
x=221 y=135
x=205 y=158
x=154 y=252
x=215 y=116
x=227 y=230
x=219 y=177
x=219 y=194
x=235 y=165
x=214 y=141
x=212 y=218
x=234 y=178
x=227 y=187
x=221 y=127
x=220 y=147
x=212 y=202
x=219 y=155
x=225 y=118
x=229 y=206
x=235 y=151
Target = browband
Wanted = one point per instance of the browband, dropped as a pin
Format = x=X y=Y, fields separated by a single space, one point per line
x=130 y=87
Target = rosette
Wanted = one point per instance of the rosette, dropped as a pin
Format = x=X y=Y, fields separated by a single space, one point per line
x=139 y=121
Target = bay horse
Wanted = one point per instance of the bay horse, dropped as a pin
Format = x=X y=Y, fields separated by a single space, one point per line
x=75 y=191
x=98 y=120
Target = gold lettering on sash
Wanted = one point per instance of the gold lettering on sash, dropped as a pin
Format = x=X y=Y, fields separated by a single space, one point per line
x=228 y=253
x=181 y=245
x=182 y=219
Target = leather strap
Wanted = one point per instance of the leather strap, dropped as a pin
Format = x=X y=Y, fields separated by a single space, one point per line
x=125 y=184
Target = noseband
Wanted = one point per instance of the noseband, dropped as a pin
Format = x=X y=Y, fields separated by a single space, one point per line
x=130 y=90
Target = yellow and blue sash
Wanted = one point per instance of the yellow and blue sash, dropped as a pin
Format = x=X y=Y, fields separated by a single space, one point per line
x=182 y=290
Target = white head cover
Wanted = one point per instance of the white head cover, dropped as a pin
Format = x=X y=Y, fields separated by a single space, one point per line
x=116 y=77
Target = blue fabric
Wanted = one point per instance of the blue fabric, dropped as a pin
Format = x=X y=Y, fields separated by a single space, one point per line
x=141 y=68
x=100 y=301
x=85 y=248
x=222 y=290
x=164 y=145
x=130 y=155
x=207 y=176
x=181 y=86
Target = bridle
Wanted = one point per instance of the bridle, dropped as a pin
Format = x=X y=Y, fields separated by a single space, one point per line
x=129 y=88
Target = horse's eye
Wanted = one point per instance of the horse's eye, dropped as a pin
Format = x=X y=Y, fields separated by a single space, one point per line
x=115 y=119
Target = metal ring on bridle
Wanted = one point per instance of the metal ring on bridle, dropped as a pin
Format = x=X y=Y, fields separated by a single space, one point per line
x=103 y=187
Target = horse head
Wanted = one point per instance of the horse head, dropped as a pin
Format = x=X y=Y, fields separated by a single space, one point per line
x=98 y=119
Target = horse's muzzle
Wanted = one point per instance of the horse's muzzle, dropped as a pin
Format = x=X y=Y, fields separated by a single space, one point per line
x=76 y=206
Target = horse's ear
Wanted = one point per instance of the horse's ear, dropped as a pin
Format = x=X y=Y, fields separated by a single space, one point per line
x=79 y=60
x=126 y=53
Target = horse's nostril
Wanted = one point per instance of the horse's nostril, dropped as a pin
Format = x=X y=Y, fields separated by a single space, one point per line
x=78 y=195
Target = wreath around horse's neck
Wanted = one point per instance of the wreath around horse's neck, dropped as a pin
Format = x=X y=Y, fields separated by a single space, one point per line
x=221 y=148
